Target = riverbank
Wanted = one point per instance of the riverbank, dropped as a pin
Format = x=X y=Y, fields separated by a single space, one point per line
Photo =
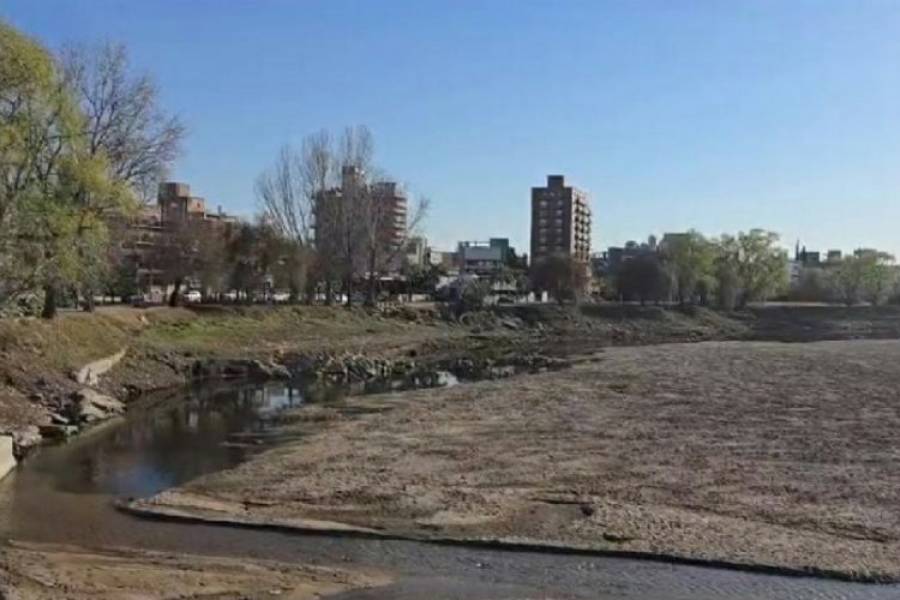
x=761 y=454
x=40 y=361
x=46 y=572
x=45 y=390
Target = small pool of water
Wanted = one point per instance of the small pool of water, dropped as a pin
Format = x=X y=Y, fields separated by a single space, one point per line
x=165 y=441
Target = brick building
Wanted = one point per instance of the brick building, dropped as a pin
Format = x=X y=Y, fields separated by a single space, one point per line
x=145 y=235
x=560 y=221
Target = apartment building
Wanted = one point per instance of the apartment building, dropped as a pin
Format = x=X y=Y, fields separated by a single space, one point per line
x=176 y=205
x=560 y=221
x=144 y=236
x=383 y=202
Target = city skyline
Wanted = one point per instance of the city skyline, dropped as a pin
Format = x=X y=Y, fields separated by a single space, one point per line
x=718 y=117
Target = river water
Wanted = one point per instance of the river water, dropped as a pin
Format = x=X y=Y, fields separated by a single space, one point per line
x=65 y=494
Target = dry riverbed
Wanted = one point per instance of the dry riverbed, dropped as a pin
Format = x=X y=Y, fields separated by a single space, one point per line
x=756 y=453
x=41 y=572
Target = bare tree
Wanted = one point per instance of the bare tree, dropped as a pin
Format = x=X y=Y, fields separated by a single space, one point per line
x=288 y=194
x=345 y=213
x=386 y=232
x=329 y=198
x=123 y=119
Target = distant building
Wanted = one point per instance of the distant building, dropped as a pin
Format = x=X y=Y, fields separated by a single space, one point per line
x=350 y=199
x=612 y=260
x=416 y=254
x=177 y=205
x=483 y=258
x=442 y=258
x=145 y=234
x=670 y=239
x=560 y=221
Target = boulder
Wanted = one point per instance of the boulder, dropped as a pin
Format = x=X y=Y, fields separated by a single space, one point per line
x=268 y=370
x=25 y=439
x=57 y=432
x=239 y=368
x=90 y=406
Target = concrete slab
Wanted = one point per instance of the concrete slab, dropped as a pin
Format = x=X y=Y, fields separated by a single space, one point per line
x=7 y=460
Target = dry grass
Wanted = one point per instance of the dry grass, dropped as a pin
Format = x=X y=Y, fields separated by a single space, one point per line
x=763 y=453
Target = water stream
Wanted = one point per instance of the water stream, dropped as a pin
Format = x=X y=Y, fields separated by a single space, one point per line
x=65 y=494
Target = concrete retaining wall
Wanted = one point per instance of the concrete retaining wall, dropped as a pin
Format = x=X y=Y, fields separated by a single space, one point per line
x=90 y=373
x=7 y=460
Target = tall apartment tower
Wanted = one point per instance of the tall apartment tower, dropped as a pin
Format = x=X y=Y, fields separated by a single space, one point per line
x=351 y=200
x=560 y=221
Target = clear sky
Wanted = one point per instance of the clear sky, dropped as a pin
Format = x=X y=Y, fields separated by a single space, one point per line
x=673 y=114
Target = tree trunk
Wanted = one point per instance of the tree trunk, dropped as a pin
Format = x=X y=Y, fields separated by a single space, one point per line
x=370 y=290
x=89 y=305
x=348 y=290
x=49 y=310
x=173 y=298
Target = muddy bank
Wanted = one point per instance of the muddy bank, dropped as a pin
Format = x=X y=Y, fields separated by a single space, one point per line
x=754 y=453
x=48 y=572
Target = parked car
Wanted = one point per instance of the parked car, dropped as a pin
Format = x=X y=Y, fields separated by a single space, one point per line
x=193 y=296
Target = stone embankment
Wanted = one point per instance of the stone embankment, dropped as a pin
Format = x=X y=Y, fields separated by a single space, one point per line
x=75 y=411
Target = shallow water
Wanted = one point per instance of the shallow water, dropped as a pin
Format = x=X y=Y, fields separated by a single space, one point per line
x=65 y=494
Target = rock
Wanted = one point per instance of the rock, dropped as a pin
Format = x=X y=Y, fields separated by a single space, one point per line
x=268 y=370
x=57 y=432
x=91 y=406
x=25 y=439
x=90 y=373
x=58 y=419
x=239 y=368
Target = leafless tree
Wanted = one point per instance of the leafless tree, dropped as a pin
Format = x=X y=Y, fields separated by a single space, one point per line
x=331 y=199
x=347 y=212
x=384 y=238
x=289 y=193
x=124 y=120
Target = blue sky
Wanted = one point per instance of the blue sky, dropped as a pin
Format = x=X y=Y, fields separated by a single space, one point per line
x=715 y=115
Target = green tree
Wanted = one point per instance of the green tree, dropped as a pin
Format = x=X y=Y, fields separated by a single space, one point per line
x=563 y=277
x=867 y=275
x=643 y=278
x=123 y=129
x=52 y=234
x=750 y=267
x=689 y=260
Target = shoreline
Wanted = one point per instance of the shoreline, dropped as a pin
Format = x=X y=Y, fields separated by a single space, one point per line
x=174 y=513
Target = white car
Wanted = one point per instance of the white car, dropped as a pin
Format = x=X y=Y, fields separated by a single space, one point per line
x=193 y=296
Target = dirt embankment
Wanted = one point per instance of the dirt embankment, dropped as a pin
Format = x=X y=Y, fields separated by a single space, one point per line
x=41 y=572
x=39 y=360
x=751 y=453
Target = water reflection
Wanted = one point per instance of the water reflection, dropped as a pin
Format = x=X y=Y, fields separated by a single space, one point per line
x=166 y=441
